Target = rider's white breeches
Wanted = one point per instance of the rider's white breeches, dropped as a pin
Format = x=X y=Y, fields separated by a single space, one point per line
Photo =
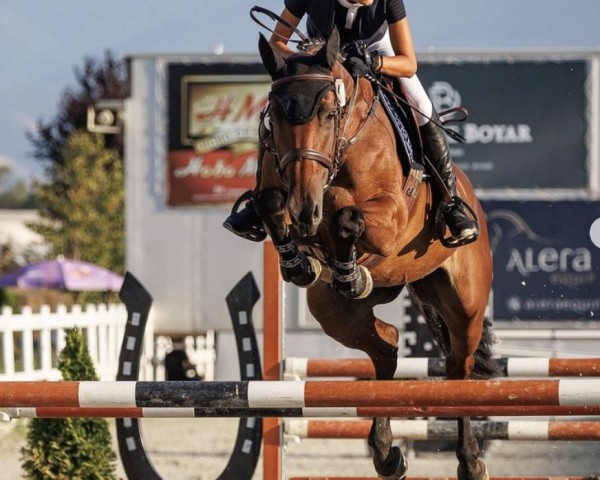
x=415 y=93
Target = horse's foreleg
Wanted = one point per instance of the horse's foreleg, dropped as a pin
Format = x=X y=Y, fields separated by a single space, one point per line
x=295 y=266
x=349 y=278
x=470 y=466
x=353 y=324
x=388 y=460
x=372 y=226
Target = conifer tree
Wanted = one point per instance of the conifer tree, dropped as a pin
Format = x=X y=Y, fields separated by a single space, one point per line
x=70 y=448
x=85 y=218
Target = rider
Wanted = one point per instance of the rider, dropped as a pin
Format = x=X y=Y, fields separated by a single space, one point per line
x=384 y=27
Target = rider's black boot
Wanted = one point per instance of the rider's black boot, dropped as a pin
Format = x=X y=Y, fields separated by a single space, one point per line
x=435 y=146
x=246 y=223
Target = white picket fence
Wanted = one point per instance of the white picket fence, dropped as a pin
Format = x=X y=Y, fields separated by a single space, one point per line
x=30 y=343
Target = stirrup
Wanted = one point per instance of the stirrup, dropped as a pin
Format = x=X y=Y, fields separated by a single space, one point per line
x=440 y=224
x=256 y=233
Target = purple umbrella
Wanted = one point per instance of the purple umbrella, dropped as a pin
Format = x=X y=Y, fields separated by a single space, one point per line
x=63 y=274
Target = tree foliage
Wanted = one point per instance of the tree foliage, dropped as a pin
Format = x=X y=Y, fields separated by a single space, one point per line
x=15 y=194
x=81 y=199
x=68 y=448
x=98 y=79
x=82 y=210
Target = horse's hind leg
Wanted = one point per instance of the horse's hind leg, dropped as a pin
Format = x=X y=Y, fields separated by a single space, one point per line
x=457 y=321
x=295 y=266
x=353 y=323
x=459 y=365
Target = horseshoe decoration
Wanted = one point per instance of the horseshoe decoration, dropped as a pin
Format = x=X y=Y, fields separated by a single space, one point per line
x=240 y=302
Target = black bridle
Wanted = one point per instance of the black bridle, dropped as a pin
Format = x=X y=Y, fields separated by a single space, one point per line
x=333 y=161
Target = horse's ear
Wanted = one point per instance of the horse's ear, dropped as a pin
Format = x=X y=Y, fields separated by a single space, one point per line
x=271 y=59
x=329 y=52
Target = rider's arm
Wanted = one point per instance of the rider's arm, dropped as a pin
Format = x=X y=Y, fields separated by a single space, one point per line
x=404 y=64
x=282 y=33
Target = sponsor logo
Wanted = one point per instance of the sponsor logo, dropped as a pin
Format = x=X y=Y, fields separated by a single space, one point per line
x=224 y=115
x=565 y=265
x=544 y=267
x=444 y=96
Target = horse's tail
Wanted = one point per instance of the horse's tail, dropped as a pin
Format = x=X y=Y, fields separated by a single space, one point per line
x=485 y=364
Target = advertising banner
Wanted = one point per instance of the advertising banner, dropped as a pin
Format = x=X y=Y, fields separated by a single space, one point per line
x=527 y=124
x=546 y=259
x=213 y=131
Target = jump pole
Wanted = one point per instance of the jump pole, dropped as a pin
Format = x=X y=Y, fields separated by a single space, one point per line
x=440 y=478
x=436 y=430
x=435 y=367
x=285 y=394
x=307 y=412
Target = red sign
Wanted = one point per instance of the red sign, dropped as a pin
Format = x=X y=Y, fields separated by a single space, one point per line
x=219 y=139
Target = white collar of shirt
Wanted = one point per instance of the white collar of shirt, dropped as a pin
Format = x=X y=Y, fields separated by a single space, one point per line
x=352 y=10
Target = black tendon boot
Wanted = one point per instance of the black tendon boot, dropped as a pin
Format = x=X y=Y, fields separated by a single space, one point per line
x=435 y=146
x=246 y=223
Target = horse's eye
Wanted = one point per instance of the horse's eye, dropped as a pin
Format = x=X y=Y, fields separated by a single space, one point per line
x=332 y=115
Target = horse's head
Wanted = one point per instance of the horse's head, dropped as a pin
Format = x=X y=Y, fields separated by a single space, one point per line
x=306 y=106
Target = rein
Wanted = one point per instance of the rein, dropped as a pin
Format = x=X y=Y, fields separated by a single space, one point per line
x=460 y=112
x=304 y=44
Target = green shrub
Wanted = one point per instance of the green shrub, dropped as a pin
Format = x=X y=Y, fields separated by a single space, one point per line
x=70 y=448
x=9 y=299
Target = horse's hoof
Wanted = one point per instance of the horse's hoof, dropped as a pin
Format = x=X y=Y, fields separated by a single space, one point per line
x=315 y=266
x=484 y=475
x=368 y=279
x=309 y=272
x=349 y=288
x=396 y=467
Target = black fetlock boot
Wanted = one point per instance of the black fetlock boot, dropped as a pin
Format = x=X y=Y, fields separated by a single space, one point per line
x=463 y=228
x=246 y=223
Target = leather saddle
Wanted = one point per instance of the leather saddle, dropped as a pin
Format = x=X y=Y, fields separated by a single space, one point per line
x=408 y=139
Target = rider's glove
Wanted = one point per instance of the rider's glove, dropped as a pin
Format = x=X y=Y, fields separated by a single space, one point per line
x=360 y=62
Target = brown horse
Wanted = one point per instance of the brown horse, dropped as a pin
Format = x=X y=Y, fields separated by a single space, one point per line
x=331 y=196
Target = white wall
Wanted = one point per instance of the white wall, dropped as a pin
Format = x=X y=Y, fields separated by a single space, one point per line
x=183 y=256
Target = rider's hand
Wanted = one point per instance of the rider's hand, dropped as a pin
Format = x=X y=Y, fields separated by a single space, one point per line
x=360 y=62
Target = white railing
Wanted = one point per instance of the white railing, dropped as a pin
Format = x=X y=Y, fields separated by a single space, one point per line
x=30 y=343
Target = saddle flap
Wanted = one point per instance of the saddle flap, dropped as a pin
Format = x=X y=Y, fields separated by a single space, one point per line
x=404 y=123
x=408 y=139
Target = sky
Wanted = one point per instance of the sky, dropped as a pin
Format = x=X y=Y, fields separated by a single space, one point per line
x=42 y=42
